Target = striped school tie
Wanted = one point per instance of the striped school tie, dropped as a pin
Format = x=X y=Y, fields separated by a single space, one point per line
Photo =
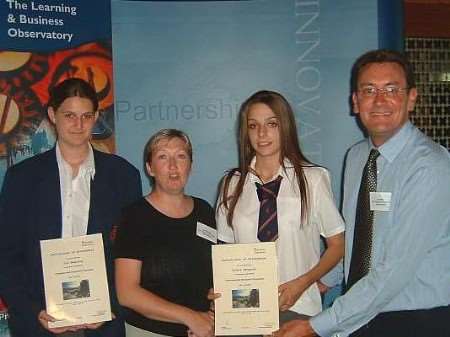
x=268 y=219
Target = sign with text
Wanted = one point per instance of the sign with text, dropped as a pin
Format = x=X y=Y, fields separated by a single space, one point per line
x=49 y=25
x=246 y=276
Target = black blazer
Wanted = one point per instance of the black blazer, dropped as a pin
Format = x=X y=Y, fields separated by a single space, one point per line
x=30 y=211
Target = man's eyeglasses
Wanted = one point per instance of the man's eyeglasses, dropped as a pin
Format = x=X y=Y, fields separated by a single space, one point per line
x=390 y=91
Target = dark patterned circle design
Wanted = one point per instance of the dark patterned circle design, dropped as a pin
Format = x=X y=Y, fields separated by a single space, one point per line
x=23 y=69
x=21 y=113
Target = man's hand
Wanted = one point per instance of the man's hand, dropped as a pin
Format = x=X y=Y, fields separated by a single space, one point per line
x=295 y=328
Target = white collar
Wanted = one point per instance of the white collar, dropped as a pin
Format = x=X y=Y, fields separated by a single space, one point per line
x=87 y=167
x=281 y=172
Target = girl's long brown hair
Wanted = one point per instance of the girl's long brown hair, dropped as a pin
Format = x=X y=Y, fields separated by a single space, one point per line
x=290 y=149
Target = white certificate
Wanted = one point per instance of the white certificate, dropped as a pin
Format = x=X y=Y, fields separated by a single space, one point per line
x=246 y=276
x=76 y=286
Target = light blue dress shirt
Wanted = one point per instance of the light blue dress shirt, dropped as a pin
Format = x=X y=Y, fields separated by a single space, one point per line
x=410 y=263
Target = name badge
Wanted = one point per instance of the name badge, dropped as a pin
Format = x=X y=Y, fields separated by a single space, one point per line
x=206 y=232
x=380 y=201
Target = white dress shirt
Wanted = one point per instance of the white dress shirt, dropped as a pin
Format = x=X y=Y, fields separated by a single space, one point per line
x=298 y=245
x=75 y=194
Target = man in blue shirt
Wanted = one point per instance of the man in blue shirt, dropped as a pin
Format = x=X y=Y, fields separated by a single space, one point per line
x=406 y=289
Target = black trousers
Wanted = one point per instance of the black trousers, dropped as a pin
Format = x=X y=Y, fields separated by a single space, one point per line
x=409 y=323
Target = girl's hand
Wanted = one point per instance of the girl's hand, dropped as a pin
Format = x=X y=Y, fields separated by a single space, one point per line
x=290 y=292
x=45 y=318
x=200 y=324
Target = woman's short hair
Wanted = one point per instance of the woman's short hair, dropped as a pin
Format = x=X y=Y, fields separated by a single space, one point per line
x=72 y=87
x=166 y=134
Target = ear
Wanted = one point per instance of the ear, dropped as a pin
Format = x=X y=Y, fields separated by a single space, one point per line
x=412 y=97
x=51 y=114
x=355 y=103
x=149 y=169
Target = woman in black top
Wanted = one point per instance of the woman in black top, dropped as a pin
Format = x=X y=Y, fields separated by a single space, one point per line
x=163 y=248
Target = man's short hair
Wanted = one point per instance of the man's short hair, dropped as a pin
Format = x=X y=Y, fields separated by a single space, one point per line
x=383 y=56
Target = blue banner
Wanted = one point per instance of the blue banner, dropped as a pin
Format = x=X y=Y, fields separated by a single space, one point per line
x=190 y=65
x=44 y=25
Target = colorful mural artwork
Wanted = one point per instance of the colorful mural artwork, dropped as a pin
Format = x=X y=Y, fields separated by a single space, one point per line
x=25 y=79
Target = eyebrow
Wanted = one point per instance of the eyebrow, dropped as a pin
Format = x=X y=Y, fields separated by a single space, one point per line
x=365 y=84
x=73 y=112
x=266 y=119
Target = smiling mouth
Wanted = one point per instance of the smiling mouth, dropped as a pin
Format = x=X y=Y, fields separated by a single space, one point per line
x=381 y=113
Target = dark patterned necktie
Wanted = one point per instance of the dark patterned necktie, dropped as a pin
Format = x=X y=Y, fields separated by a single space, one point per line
x=268 y=219
x=362 y=236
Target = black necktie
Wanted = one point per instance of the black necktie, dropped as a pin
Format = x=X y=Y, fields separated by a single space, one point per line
x=268 y=220
x=362 y=236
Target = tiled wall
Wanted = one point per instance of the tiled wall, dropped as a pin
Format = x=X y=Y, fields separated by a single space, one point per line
x=431 y=60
